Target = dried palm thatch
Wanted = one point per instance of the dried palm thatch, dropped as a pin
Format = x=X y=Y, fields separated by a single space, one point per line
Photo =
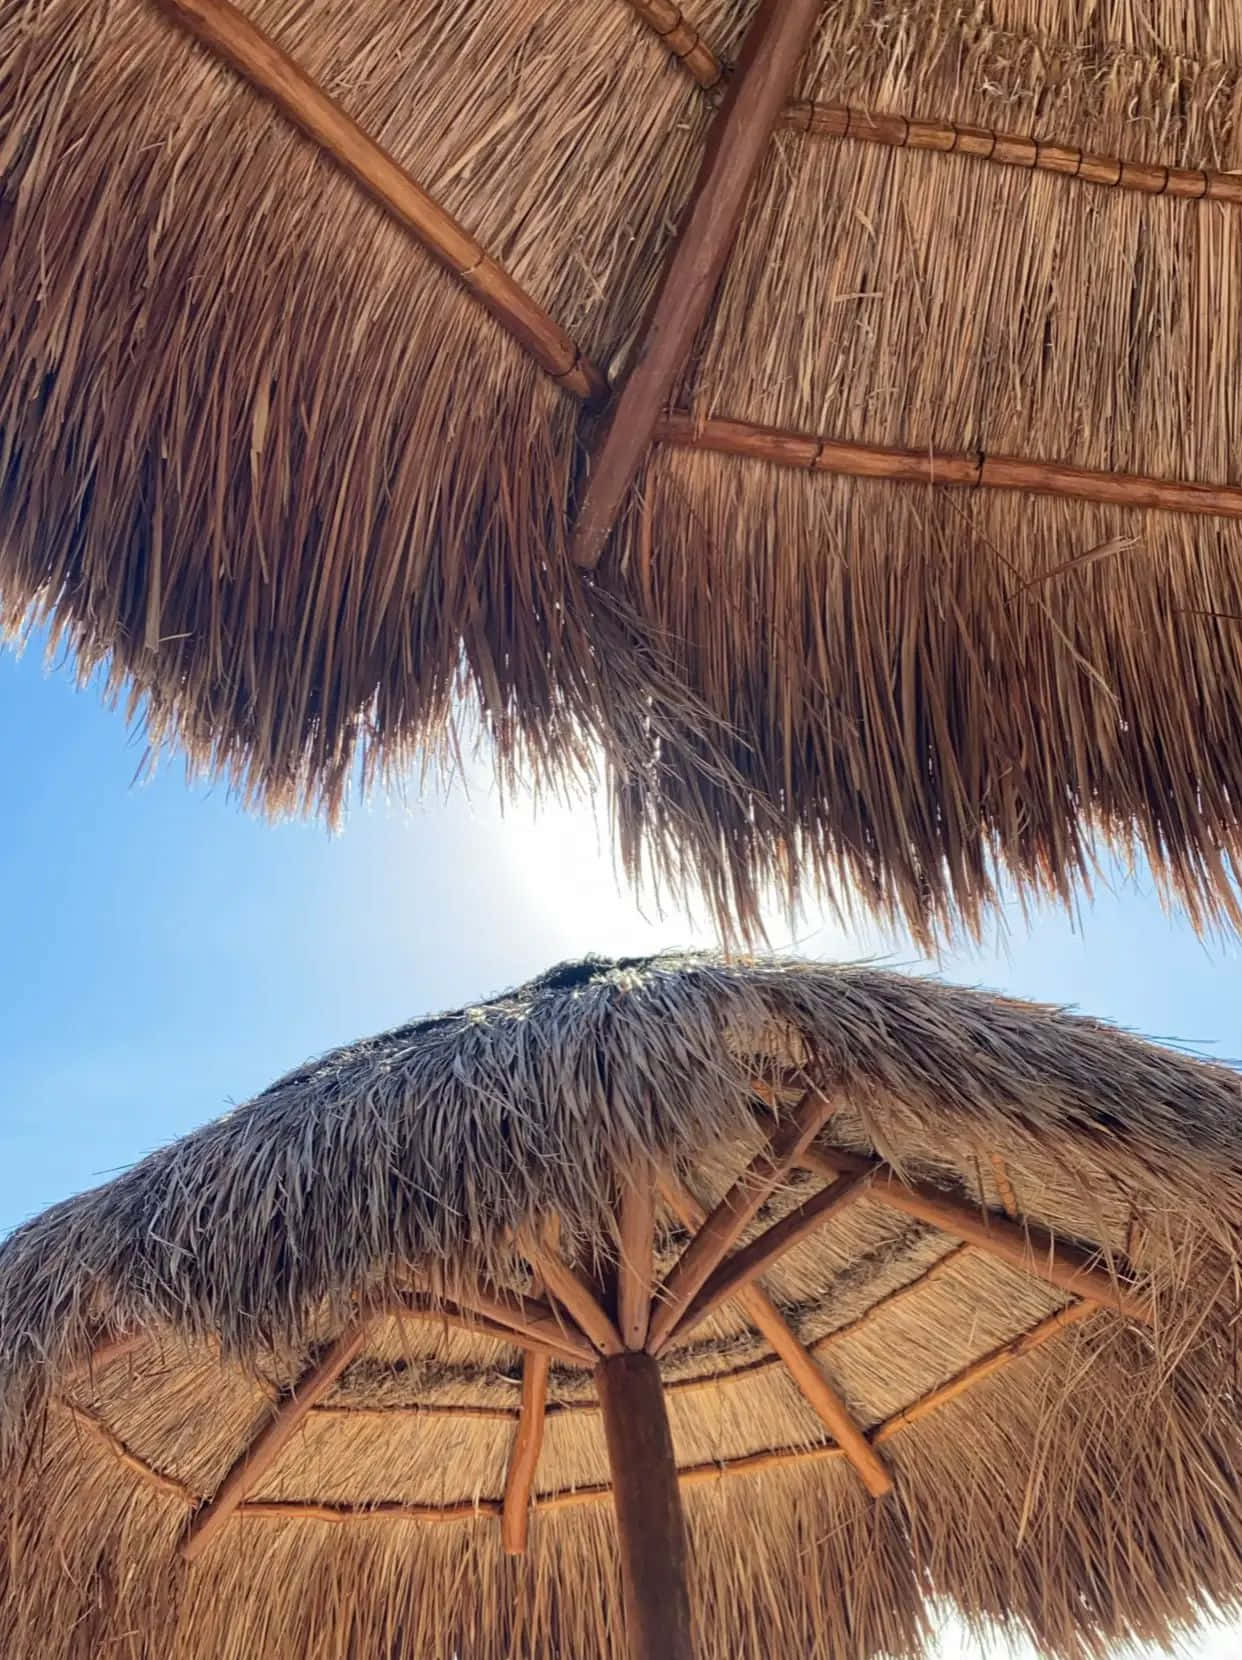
x=322 y=1379
x=888 y=610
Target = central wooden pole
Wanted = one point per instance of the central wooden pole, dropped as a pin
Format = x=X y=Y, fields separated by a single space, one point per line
x=645 y=1492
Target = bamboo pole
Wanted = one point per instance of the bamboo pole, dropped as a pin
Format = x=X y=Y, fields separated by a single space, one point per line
x=524 y=1458
x=569 y=1288
x=230 y=36
x=811 y=1381
x=787 y=1140
x=737 y=1271
x=1022 y=1245
x=267 y=1446
x=1001 y=472
x=738 y=139
x=636 y=1265
x=679 y=37
x=650 y=1526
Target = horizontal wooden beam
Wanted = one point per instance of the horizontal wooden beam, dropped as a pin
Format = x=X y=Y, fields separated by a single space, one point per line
x=980 y=1370
x=807 y=453
x=1022 y=1245
x=305 y=1510
x=787 y=1140
x=127 y=1458
x=815 y=1388
x=775 y=41
x=266 y=1447
x=231 y=37
x=745 y=1265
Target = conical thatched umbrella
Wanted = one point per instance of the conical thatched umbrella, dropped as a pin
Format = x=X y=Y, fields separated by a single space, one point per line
x=905 y=552
x=900 y=1292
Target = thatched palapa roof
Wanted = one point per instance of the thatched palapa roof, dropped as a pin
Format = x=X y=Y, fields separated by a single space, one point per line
x=931 y=566
x=301 y=1385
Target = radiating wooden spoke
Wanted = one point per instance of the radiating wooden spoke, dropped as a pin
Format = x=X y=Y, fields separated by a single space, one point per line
x=805 y=1371
x=1026 y=1246
x=571 y=1289
x=529 y=1318
x=635 y=1270
x=786 y=1142
x=272 y=1439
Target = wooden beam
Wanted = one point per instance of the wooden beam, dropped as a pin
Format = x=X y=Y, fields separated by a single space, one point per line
x=736 y=144
x=524 y=1457
x=106 y=1350
x=737 y=1271
x=529 y=1318
x=635 y=1269
x=980 y=1370
x=696 y=1475
x=230 y=36
x=1008 y=1198
x=126 y=1457
x=809 y=453
x=571 y=1289
x=787 y=1140
x=1022 y=1245
x=565 y=1347
x=682 y=39
x=816 y=1390
x=267 y=1446
x=645 y=1492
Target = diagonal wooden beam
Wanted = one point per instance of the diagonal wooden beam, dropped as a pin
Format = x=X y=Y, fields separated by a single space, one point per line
x=524 y=1457
x=787 y=1141
x=1022 y=1245
x=272 y=1439
x=739 y=136
x=802 y=1367
x=810 y=453
x=230 y=36
x=528 y=1317
x=679 y=37
x=537 y=1330
x=744 y=1266
x=635 y=1269
x=571 y=1289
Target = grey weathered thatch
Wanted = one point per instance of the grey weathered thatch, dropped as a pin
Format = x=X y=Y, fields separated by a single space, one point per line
x=267 y=462
x=1058 y=1466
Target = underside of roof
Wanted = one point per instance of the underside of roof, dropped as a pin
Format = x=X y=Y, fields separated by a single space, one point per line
x=320 y=1379
x=929 y=576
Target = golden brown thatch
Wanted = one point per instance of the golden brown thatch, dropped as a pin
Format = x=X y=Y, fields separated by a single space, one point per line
x=292 y=484
x=1054 y=1411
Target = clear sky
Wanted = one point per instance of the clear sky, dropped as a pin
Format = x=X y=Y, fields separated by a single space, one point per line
x=170 y=955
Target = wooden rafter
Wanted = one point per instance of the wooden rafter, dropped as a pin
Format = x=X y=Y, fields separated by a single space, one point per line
x=757 y=91
x=533 y=1334
x=528 y=1318
x=572 y=1291
x=824 y=120
x=524 y=1457
x=267 y=1446
x=809 y=453
x=681 y=39
x=816 y=1390
x=745 y=1265
x=787 y=1141
x=1004 y=1186
x=1022 y=1245
x=230 y=36
x=635 y=1267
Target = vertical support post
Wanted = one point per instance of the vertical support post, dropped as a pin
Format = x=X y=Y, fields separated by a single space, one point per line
x=652 y=1529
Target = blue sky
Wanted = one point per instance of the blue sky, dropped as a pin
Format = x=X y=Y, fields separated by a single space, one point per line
x=170 y=955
